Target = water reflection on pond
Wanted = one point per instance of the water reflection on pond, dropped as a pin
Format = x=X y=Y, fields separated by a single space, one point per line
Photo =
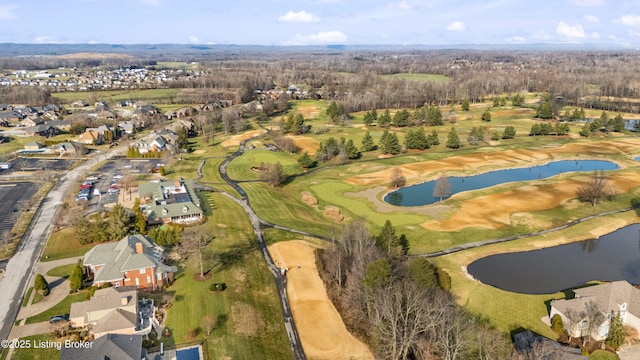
x=615 y=256
x=422 y=194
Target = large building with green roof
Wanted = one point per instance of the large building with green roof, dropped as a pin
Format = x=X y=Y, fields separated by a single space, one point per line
x=170 y=202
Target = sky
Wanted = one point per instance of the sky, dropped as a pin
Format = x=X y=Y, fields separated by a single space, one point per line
x=321 y=22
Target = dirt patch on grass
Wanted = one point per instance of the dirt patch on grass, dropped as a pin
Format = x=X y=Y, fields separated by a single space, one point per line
x=485 y=161
x=236 y=139
x=309 y=199
x=247 y=321
x=494 y=211
x=305 y=144
x=308 y=110
x=333 y=213
x=199 y=152
x=321 y=329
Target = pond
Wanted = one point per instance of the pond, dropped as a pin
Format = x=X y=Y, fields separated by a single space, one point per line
x=615 y=256
x=422 y=194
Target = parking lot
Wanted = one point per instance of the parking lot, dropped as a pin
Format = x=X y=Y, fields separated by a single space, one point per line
x=32 y=164
x=109 y=187
x=12 y=199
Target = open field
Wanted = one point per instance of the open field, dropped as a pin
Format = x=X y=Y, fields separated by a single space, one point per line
x=322 y=332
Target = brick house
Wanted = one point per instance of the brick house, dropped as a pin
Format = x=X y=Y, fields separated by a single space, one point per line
x=133 y=261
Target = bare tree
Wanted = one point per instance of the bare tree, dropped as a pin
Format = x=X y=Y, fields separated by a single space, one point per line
x=574 y=322
x=208 y=323
x=595 y=190
x=442 y=187
x=194 y=241
x=397 y=179
x=593 y=318
x=453 y=337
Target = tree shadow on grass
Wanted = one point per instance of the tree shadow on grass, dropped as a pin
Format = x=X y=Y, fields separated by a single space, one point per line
x=231 y=256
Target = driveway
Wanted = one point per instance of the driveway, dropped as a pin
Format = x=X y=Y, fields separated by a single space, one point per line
x=630 y=352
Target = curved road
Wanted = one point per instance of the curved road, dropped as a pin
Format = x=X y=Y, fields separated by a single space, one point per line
x=257 y=223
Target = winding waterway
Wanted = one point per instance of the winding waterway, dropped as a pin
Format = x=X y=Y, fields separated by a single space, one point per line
x=422 y=194
x=615 y=256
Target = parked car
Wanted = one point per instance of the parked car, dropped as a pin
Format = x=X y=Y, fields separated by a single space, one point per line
x=117 y=176
x=59 y=318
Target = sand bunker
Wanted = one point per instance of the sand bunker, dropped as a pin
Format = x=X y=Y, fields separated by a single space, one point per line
x=333 y=213
x=236 y=139
x=308 y=111
x=319 y=324
x=495 y=210
x=309 y=199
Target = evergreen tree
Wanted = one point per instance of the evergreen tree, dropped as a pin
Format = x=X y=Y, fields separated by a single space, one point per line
x=401 y=118
x=84 y=231
x=389 y=143
x=416 y=139
x=183 y=137
x=595 y=125
x=378 y=274
x=616 y=335
x=370 y=117
x=618 y=123
x=118 y=222
x=453 y=141
x=465 y=105
x=585 y=131
x=332 y=111
x=351 y=150
x=433 y=139
x=545 y=110
x=509 y=132
x=41 y=285
x=556 y=324
x=367 y=142
x=435 y=116
x=385 y=119
x=423 y=272
x=496 y=102
x=140 y=220
x=517 y=100
x=388 y=241
x=486 y=116
x=76 y=278
x=306 y=161
x=535 y=130
x=495 y=136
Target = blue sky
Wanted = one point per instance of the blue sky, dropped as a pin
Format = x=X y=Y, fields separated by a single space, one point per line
x=319 y=22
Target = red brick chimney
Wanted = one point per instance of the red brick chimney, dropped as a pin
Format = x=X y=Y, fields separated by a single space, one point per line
x=138 y=248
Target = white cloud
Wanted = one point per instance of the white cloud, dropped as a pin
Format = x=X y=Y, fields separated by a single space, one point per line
x=516 y=40
x=194 y=40
x=456 y=26
x=587 y=2
x=327 y=37
x=594 y=35
x=6 y=12
x=566 y=30
x=300 y=16
x=152 y=2
x=402 y=5
x=541 y=35
x=591 y=19
x=628 y=20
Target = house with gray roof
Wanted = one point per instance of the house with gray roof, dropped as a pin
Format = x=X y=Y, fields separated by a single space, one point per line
x=611 y=298
x=170 y=202
x=133 y=261
x=110 y=346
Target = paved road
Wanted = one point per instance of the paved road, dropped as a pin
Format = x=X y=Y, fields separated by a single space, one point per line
x=281 y=281
x=20 y=267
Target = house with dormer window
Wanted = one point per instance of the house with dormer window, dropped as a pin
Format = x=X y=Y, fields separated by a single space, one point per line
x=611 y=298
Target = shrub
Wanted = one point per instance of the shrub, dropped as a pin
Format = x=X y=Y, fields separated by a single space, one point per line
x=556 y=324
x=40 y=284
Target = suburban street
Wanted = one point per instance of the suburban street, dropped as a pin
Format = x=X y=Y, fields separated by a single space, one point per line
x=19 y=270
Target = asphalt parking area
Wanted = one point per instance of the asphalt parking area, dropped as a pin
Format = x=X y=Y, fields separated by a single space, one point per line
x=13 y=197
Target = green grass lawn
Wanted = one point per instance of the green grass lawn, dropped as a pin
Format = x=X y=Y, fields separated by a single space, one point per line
x=63 y=244
x=25 y=301
x=249 y=320
x=62 y=307
x=62 y=271
x=240 y=167
x=603 y=355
